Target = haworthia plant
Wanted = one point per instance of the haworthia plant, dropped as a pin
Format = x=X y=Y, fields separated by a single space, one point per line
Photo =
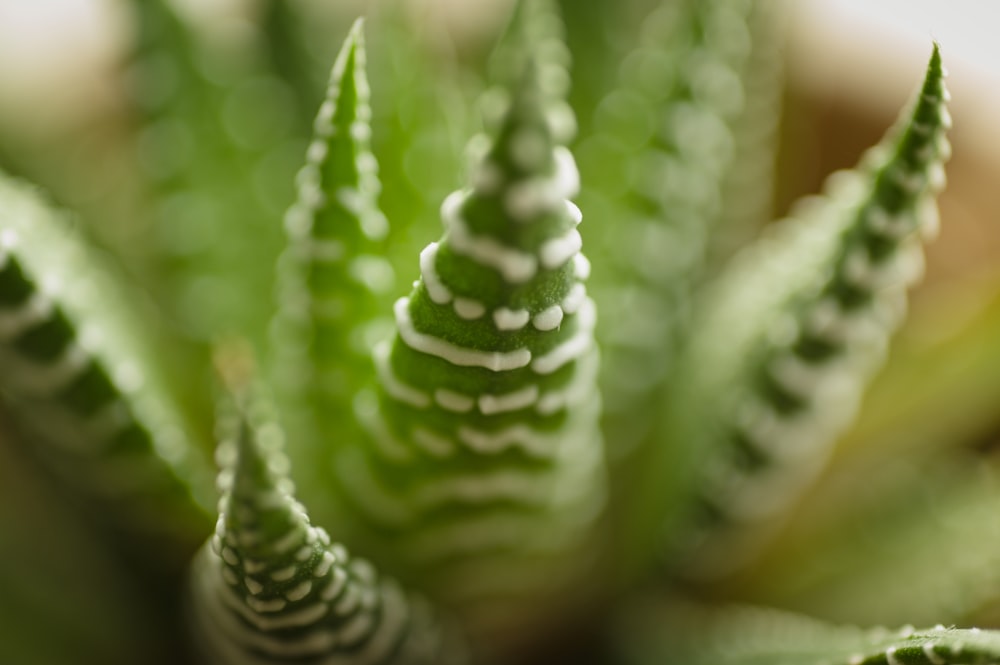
x=464 y=452
x=791 y=332
x=328 y=300
x=484 y=456
x=754 y=636
x=80 y=377
x=271 y=588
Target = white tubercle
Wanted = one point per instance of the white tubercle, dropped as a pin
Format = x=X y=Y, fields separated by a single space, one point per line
x=516 y=486
x=891 y=227
x=578 y=390
x=932 y=656
x=436 y=289
x=439 y=293
x=361 y=131
x=486 y=177
x=496 y=361
x=796 y=375
x=529 y=148
x=453 y=401
x=432 y=443
x=574 y=299
x=574 y=213
x=373 y=272
x=317 y=151
x=321 y=250
x=548 y=319
x=511 y=319
x=910 y=182
x=515 y=436
x=395 y=388
x=573 y=347
x=323 y=125
x=467 y=308
x=581 y=267
x=45 y=379
x=529 y=198
x=8 y=240
x=567 y=177
x=284 y=574
x=386 y=443
x=513 y=401
x=488 y=404
x=300 y=591
x=514 y=265
x=558 y=251
x=36 y=309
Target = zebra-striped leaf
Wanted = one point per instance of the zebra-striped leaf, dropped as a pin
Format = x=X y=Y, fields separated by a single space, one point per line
x=330 y=274
x=484 y=458
x=80 y=376
x=656 y=634
x=269 y=587
x=792 y=331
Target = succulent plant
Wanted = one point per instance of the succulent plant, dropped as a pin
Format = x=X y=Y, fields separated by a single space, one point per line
x=523 y=458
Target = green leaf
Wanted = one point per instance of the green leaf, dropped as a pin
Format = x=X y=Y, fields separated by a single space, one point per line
x=791 y=333
x=271 y=588
x=82 y=379
x=661 y=634
x=484 y=462
x=330 y=274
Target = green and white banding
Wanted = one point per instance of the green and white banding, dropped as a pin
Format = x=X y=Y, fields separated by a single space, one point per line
x=333 y=228
x=76 y=372
x=652 y=632
x=330 y=276
x=794 y=329
x=491 y=417
x=271 y=588
x=657 y=162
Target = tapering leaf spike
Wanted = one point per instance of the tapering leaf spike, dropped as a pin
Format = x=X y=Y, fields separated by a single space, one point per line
x=270 y=587
x=484 y=459
x=794 y=329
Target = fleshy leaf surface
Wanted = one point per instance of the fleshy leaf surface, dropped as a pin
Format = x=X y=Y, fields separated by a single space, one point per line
x=484 y=459
x=331 y=274
x=791 y=333
x=269 y=587
x=693 y=635
x=82 y=380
